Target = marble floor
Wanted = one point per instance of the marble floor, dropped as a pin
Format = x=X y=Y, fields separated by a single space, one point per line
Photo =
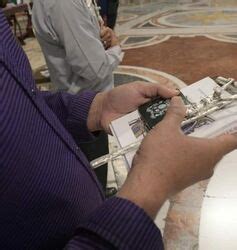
x=179 y=43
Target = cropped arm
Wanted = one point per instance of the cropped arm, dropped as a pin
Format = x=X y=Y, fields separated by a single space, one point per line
x=72 y=111
x=79 y=34
x=117 y=224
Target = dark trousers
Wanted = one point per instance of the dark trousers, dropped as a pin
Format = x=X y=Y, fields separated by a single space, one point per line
x=95 y=149
x=112 y=13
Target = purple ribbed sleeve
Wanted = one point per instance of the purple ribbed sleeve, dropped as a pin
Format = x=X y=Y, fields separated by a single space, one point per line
x=72 y=111
x=77 y=119
x=117 y=224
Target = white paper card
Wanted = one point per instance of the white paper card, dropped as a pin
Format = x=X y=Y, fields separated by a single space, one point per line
x=126 y=128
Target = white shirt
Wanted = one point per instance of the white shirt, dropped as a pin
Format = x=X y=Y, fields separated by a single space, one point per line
x=69 y=34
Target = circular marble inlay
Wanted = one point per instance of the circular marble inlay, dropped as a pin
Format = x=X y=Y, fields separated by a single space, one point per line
x=132 y=42
x=201 y=18
x=120 y=79
x=125 y=74
x=125 y=17
x=218 y=222
x=228 y=38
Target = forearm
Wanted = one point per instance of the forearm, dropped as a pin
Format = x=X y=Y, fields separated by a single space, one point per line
x=94 y=115
x=101 y=64
x=142 y=190
x=113 y=57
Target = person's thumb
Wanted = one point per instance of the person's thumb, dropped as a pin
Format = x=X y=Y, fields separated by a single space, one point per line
x=176 y=112
x=225 y=143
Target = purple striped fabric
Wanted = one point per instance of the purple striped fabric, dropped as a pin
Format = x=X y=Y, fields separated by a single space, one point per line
x=122 y=224
x=47 y=189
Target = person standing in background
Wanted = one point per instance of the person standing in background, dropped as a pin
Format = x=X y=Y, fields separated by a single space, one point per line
x=81 y=54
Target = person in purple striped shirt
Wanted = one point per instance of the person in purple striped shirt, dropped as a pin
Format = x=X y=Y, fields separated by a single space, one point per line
x=50 y=197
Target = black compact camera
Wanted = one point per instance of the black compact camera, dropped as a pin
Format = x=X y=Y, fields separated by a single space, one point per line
x=154 y=111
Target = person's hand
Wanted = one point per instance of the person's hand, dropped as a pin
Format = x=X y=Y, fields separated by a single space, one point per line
x=108 y=106
x=108 y=37
x=169 y=161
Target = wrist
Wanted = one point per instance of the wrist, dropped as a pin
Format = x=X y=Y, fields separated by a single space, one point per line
x=95 y=112
x=145 y=191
